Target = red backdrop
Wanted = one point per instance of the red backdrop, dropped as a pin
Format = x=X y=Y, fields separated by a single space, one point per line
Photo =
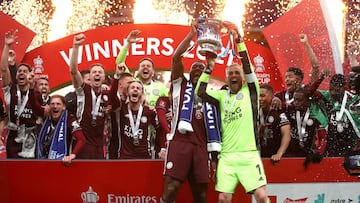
x=158 y=41
x=25 y=35
x=51 y=181
x=307 y=17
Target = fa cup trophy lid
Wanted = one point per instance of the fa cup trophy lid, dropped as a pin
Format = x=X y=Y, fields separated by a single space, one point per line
x=208 y=36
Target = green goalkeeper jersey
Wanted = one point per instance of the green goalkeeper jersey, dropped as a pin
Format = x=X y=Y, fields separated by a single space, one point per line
x=236 y=117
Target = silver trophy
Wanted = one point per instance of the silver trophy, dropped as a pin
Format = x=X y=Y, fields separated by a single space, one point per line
x=90 y=196
x=208 y=36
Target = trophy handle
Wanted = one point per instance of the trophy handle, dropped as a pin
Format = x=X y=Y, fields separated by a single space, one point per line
x=83 y=197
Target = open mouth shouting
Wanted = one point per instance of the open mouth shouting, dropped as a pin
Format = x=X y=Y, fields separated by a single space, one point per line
x=21 y=79
x=235 y=84
x=56 y=112
x=97 y=78
x=97 y=81
x=145 y=73
x=135 y=91
x=134 y=97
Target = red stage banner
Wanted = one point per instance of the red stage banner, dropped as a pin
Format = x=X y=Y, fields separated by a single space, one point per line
x=157 y=41
x=283 y=37
x=25 y=35
x=141 y=181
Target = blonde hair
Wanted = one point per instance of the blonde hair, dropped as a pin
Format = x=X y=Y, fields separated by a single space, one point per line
x=62 y=98
x=234 y=65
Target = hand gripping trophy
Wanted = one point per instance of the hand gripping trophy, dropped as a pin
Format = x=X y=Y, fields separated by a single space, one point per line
x=208 y=36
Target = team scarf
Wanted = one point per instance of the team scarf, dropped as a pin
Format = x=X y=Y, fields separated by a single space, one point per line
x=58 y=147
x=212 y=121
x=187 y=110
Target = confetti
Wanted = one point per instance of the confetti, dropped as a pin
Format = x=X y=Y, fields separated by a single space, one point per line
x=90 y=14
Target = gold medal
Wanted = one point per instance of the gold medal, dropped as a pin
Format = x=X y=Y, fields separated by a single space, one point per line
x=198 y=114
x=340 y=128
x=267 y=132
x=93 y=123
x=136 y=141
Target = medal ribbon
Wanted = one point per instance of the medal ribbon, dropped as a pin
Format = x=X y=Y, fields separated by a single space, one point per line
x=287 y=98
x=344 y=110
x=227 y=49
x=45 y=99
x=149 y=89
x=95 y=104
x=227 y=101
x=135 y=126
x=21 y=102
x=262 y=116
x=302 y=124
x=352 y=123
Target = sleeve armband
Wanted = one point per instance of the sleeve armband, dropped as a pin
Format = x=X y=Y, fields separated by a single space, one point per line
x=126 y=44
x=241 y=46
x=208 y=71
x=250 y=78
x=116 y=76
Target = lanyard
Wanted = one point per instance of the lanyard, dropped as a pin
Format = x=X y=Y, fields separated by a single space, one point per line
x=148 y=89
x=287 y=98
x=342 y=108
x=262 y=117
x=227 y=101
x=135 y=126
x=21 y=102
x=95 y=104
x=301 y=125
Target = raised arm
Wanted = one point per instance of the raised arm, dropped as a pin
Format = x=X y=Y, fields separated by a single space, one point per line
x=203 y=81
x=76 y=78
x=177 y=69
x=314 y=72
x=131 y=38
x=244 y=57
x=10 y=38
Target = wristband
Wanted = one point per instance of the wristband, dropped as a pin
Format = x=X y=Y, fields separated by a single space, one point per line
x=126 y=44
x=241 y=46
x=116 y=76
x=239 y=40
x=208 y=70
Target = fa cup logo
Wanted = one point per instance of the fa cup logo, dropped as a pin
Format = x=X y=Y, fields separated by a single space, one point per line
x=259 y=63
x=38 y=69
x=89 y=196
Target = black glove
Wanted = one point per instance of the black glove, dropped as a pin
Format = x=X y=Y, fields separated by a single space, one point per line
x=312 y=158
x=317 y=158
